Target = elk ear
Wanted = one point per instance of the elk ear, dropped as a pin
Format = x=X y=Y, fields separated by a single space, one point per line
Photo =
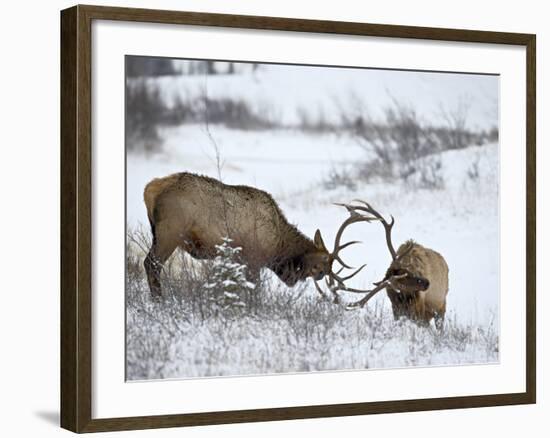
x=318 y=241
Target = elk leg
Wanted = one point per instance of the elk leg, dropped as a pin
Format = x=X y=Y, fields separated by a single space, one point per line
x=153 y=267
x=163 y=247
x=253 y=274
x=419 y=310
x=439 y=319
x=396 y=303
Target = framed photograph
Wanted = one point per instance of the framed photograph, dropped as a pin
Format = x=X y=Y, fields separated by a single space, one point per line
x=269 y=218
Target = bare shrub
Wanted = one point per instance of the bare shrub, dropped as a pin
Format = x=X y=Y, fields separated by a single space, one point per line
x=401 y=146
x=431 y=175
x=234 y=113
x=424 y=173
x=314 y=123
x=455 y=119
x=492 y=135
x=182 y=110
x=395 y=144
x=339 y=178
x=373 y=170
x=409 y=136
x=473 y=171
x=145 y=110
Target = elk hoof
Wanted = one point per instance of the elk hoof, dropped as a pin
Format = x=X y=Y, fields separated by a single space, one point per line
x=156 y=297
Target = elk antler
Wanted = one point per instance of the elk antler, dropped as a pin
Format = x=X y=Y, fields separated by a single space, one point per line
x=388 y=281
x=387 y=226
x=367 y=208
x=370 y=293
x=333 y=279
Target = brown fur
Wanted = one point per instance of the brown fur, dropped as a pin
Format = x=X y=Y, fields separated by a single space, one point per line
x=195 y=212
x=153 y=189
x=421 y=295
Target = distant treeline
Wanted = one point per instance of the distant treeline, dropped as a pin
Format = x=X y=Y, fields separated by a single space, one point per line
x=143 y=67
x=147 y=111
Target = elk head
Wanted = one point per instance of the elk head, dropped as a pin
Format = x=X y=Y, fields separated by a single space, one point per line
x=315 y=263
x=404 y=279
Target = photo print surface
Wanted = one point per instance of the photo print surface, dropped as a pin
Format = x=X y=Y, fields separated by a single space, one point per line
x=292 y=218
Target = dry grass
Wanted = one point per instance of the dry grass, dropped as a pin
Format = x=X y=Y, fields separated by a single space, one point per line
x=280 y=330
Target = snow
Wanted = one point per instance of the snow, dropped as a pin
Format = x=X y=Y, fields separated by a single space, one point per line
x=461 y=221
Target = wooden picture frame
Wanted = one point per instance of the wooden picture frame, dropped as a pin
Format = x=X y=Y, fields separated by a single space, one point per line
x=76 y=218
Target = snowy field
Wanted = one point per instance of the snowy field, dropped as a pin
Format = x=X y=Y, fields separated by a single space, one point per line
x=459 y=220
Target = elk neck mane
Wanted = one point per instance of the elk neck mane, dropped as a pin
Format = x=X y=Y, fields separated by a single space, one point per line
x=413 y=261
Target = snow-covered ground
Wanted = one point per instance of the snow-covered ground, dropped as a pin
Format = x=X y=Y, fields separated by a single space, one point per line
x=461 y=221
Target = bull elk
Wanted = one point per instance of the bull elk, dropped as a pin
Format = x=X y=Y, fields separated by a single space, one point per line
x=416 y=281
x=196 y=212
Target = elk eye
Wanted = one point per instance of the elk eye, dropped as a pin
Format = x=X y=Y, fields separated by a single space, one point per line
x=419 y=281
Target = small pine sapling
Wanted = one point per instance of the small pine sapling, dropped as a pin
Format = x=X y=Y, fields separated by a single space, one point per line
x=227 y=285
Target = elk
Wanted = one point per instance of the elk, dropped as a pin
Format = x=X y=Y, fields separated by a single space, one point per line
x=195 y=213
x=416 y=281
x=417 y=284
